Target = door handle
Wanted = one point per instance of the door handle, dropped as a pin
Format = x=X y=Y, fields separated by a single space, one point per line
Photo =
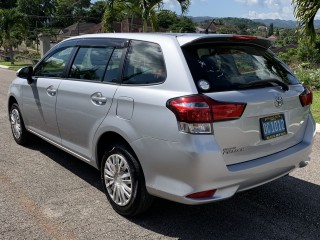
x=98 y=99
x=51 y=91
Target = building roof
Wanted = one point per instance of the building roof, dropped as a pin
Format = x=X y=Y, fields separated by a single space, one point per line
x=80 y=29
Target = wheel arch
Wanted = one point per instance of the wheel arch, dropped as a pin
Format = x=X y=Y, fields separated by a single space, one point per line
x=11 y=101
x=105 y=144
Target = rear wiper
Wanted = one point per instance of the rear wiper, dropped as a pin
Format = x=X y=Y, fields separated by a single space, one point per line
x=284 y=86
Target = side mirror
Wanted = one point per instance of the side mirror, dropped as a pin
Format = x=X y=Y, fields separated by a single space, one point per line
x=26 y=73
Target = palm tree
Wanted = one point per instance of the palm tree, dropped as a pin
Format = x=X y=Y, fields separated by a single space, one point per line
x=148 y=7
x=116 y=10
x=12 y=29
x=119 y=9
x=305 y=12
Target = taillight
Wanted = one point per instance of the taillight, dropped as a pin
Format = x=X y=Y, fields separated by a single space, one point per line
x=223 y=111
x=306 y=97
x=196 y=113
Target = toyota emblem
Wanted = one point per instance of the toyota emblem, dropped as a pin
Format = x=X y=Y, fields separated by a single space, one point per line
x=278 y=102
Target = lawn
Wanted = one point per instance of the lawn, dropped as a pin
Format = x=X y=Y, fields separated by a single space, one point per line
x=16 y=66
x=316 y=106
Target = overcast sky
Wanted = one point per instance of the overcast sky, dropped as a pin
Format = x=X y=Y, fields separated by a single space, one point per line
x=274 y=9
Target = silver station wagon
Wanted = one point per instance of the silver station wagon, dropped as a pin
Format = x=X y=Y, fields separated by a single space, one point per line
x=192 y=118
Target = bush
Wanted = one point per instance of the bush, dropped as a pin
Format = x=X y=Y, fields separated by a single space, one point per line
x=289 y=57
x=309 y=77
x=308 y=52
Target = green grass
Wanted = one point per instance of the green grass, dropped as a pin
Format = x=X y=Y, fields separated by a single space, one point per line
x=315 y=108
x=16 y=66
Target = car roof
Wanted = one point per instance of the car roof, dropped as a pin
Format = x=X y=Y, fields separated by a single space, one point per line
x=184 y=39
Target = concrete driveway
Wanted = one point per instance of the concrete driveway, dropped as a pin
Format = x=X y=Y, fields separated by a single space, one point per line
x=47 y=194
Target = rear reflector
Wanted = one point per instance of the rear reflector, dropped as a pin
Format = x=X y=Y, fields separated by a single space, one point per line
x=204 y=194
x=195 y=113
x=306 y=97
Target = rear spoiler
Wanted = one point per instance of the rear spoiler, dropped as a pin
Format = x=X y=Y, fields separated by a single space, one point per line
x=186 y=40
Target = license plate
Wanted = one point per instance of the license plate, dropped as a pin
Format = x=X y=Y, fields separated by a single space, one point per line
x=273 y=126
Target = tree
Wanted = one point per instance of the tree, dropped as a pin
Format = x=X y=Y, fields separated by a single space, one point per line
x=242 y=28
x=270 y=30
x=184 y=24
x=96 y=11
x=167 y=18
x=146 y=9
x=149 y=5
x=38 y=12
x=305 y=11
x=70 y=11
x=308 y=52
x=117 y=10
x=7 y=4
x=13 y=29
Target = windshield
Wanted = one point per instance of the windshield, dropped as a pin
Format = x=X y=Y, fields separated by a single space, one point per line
x=217 y=67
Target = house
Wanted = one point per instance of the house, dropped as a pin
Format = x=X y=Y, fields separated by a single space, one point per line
x=79 y=29
x=132 y=24
x=212 y=28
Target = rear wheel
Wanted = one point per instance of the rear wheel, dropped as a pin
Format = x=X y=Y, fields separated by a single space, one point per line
x=19 y=132
x=123 y=182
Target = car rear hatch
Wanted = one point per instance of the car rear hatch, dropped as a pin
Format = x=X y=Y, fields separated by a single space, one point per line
x=241 y=70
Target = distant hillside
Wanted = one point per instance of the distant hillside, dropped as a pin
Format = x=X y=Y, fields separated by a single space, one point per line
x=236 y=21
x=201 y=19
x=283 y=23
x=277 y=23
x=229 y=21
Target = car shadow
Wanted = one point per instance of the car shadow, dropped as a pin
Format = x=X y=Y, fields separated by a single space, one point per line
x=69 y=162
x=288 y=208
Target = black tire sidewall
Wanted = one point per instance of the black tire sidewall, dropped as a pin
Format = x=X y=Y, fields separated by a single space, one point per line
x=23 y=137
x=136 y=177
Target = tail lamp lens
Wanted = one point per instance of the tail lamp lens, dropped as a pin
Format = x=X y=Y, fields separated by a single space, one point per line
x=196 y=113
x=306 y=97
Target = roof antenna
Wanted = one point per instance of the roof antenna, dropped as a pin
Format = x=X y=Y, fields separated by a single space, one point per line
x=207 y=29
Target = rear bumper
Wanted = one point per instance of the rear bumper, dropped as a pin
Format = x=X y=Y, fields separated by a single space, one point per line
x=174 y=170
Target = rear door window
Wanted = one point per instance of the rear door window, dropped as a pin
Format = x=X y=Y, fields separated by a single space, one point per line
x=144 y=64
x=233 y=67
x=90 y=63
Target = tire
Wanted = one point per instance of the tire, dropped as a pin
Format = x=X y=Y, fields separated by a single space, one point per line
x=123 y=182
x=19 y=132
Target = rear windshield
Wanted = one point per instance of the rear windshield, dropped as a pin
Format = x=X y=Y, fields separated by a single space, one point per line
x=232 y=67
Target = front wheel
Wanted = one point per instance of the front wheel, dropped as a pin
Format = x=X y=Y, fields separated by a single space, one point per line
x=19 y=132
x=123 y=182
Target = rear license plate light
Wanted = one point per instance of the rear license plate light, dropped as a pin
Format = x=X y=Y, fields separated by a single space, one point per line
x=273 y=126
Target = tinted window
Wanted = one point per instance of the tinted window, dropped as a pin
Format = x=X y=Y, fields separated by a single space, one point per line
x=53 y=66
x=90 y=63
x=145 y=64
x=113 y=66
x=232 y=67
